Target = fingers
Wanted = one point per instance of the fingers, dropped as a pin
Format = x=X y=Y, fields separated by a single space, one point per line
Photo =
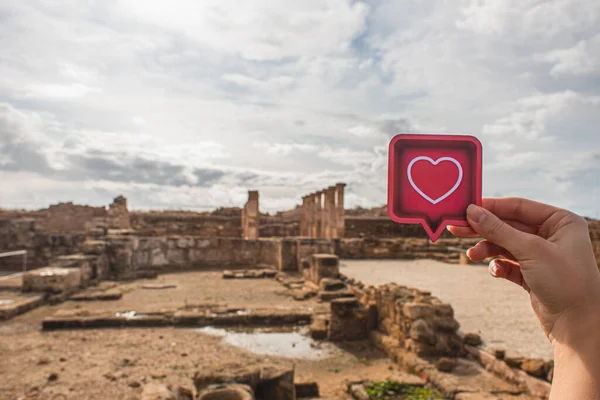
x=526 y=211
x=486 y=249
x=499 y=232
x=467 y=231
x=508 y=270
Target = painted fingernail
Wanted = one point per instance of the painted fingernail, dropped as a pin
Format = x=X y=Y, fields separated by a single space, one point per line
x=476 y=213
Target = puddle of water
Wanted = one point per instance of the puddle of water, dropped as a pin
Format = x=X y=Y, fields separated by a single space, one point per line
x=292 y=344
x=6 y=302
x=129 y=315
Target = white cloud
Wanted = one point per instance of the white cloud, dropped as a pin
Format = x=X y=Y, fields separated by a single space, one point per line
x=174 y=102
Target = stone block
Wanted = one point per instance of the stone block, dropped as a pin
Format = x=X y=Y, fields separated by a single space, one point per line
x=445 y=324
x=421 y=331
x=52 y=280
x=227 y=392
x=446 y=364
x=324 y=266
x=330 y=296
x=472 y=339
x=318 y=328
x=349 y=320
x=227 y=373
x=514 y=361
x=276 y=383
x=534 y=367
x=94 y=247
x=307 y=389
x=157 y=391
x=329 y=284
x=418 y=310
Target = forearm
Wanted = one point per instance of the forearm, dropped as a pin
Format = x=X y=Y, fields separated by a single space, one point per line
x=577 y=362
x=576 y=374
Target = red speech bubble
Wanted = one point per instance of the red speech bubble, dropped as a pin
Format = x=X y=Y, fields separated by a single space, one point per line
x=432 y=179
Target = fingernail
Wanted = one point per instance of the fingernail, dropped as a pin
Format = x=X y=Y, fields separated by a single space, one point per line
x=493 y=268
x=476 y=213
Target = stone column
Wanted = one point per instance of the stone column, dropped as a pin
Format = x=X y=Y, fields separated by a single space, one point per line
x=303 y=216
x=331 y=213
x=310 y=205
x=319 y=214
x=251 y=216
x=340 y=210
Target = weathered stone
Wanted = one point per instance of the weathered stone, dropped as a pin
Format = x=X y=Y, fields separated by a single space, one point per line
x=534 y=367
x=514 y=361
x=449 y=344
x=445 y=324
x=445 y=364
x=276 y=383
x=421 y=331
x=444 y=310
x=227 y=392
x=330 y=296
x=420 y=348
x=97 y=247
x=227 y=373
x=499 y=353
x=472 y=339
x=324 y=266
x=51 y=280
x=358 y=391
x=318 y=328
x=157 y=391
x=329 y=284
x=228 y=275
x=349 y=320
x=417 y=310
x=308 y=389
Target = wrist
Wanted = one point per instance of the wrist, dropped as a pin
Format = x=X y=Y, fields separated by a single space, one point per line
x=577 y=329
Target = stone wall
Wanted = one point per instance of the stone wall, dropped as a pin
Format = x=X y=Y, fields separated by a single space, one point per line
x=41 y=247
x=188 y=223
x=417 y=320
x=190 y=252
x=69 y=218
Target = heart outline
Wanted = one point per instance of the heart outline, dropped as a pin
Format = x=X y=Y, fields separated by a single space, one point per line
x=436 y=162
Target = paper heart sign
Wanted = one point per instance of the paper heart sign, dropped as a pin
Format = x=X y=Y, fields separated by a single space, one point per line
x=432 y=179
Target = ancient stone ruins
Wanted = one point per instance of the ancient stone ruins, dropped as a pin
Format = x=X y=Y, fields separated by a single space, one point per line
x=104 y=303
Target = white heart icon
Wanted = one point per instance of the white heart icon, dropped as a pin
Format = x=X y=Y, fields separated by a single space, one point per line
x=436 y=162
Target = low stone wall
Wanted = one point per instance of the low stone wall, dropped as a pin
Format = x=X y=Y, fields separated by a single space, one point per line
x=446 y=250
x=191 y=252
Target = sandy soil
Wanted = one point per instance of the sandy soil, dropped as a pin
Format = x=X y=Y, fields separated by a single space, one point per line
x=499 y=310
x=115 y=363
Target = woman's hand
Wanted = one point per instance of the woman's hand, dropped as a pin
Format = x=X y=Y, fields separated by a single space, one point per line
x=548 y=252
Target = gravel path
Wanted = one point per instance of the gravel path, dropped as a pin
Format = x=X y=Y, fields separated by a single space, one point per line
x=498 y=310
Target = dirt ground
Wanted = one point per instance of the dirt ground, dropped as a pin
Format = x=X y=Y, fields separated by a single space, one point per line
x=115 y=363
x=499 y=310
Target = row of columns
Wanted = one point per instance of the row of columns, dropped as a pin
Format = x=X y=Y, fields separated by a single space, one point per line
x=323 y=213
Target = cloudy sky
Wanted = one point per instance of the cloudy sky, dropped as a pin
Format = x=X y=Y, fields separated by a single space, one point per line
x=188 y=104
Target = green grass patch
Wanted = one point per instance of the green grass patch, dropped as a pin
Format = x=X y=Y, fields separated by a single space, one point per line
x=393 y=390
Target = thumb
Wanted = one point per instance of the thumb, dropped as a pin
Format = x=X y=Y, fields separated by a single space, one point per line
x=497 y=231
